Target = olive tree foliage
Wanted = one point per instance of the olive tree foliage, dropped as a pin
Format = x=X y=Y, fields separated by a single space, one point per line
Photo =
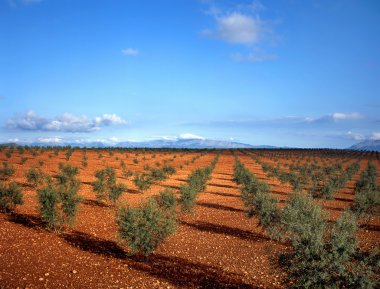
x=145 y=227
x=58 y=200
x=106 y=187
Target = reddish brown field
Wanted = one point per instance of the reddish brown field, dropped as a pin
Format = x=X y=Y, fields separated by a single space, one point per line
x=215 y=247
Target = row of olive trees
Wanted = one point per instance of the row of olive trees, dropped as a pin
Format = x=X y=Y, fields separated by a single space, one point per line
x=324 y=255
x=367 y=194
x=196 y=183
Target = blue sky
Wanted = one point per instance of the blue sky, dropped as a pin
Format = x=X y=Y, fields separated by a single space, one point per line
x=284 y=73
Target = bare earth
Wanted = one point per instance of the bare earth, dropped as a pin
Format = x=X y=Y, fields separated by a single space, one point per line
x=215 y=247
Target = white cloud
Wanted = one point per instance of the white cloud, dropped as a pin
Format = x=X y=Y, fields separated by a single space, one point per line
x=241 y=24
x=190 y=136
x=238 y=28
x=65 y=123
x=355 y=136
x=375 y=136
x=108 y=119
x=130 y=52
x=54 y=140
x=346 y=116
x=13 y=140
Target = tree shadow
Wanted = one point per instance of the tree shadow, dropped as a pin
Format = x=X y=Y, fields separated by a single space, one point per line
x=26 y=185
x=184 y=273
x=331 y=208
x=93 y=244
x=222 y=186
x=223 y=194
x=343 y=199
x=225 y=179
x=225 y=174
x=225 y=230
x=171 y=186
x=132 y=191
x=28 y=221
x=370 y=227
x=181 y=180
x=95 y=203
x=279 y=193
x=219 y=207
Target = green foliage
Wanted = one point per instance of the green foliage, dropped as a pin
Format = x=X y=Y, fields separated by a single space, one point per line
x=67 y=176
x=188 y=197
x=35 y=176
x=257 y=201
x=49 y=208
x=105 y=185
x=158 y=174
x=7 y=171
x=143 y=181
x=366 y=203
x=20 y=150
x=367 y=194
x=265 y=207
x=58 y=205
x=68 y=154
x=10 y=196
x=84 y=160
x=146 y=167
x=23 y=160
x=144 y=228
x=169 y=170
x=9 y=153
x=167 y=199
x=323 y=256
x=116 y=191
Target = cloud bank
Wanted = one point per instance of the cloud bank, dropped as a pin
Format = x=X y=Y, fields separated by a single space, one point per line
x=65 y=123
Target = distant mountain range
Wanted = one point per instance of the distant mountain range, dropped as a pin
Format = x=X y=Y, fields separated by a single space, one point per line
x=160 y=143
x=367 y=145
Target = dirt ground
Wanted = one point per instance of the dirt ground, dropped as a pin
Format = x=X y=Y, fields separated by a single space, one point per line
x=215 y=247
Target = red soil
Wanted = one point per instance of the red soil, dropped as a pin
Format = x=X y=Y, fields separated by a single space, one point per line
x=215 y=247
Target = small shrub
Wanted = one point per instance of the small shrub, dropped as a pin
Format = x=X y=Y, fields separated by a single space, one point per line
x=116 y=191
x=9 y=153
x=366 y=204
x=158 y=174
x=49 y=207
x=67 y=176
x=170 y=170
x=69 y=154
x=143 y=181
x=58 y=205
x=40 y=163
x=105 y=185
x=7 y=171
x=146 y=167
x=84 y=161
x=10 y=196
x=23 y=160
x=167 y=199
x=187 y=198
x=35 y=176
x=144 y=228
